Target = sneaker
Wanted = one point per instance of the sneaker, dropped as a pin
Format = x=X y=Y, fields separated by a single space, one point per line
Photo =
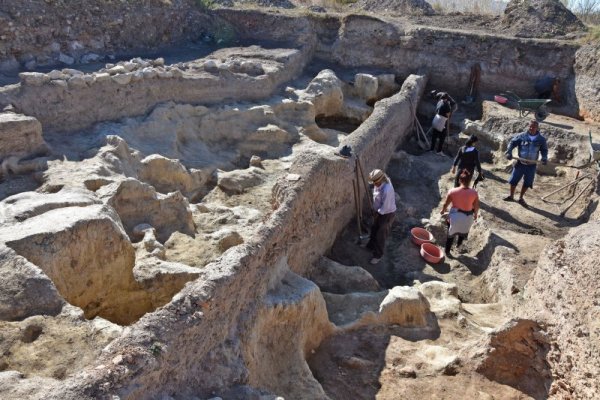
x=509 y=198
x=439 y=153
x=375 y=260
x=523 y=203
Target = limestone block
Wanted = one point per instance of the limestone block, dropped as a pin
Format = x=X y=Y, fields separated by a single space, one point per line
x=325 y=92
x=159 y=62
x=74 y=242
x=168 y=175
x=72 y=72
x=24 y=289
x=138 y=203
x=292 y=321
x=20 y=136
x=211 y=66
x=442 y=297
x=149 y=73
x=102 y=77
x=227 y=238
x=239 y=180
x=116 y=70
x=404 y=306
x=177 y=73
x=76 y=82
x=88 y=79
x=162 y=279
x=333 y=277
x=23 y=206
x=122 y=79
x=59 y=83
x=256 y=161
x=16 y=166
x=252 y=68
x=366 y=86
x=150 y=244
x=33 y=78
x=129 y=66
x=137 y=76
x=165 y=74
x=56 y=74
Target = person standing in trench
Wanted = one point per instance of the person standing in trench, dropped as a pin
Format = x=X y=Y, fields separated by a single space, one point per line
x=530 y=144
x=384 y=209
x=467 y=158
x=441 y=121
x=465 y=207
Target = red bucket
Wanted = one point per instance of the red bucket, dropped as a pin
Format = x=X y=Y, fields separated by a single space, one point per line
x=420 y=236
x=431 y=253
x=500 y=99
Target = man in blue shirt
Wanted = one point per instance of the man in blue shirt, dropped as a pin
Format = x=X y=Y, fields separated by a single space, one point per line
x=529 y=144
x=384 y=208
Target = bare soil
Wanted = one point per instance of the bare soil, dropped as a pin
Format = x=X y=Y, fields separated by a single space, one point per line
x=385 y=362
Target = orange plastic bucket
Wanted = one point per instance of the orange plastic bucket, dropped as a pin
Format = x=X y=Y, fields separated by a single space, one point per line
x=431 y=253
x=420 y=236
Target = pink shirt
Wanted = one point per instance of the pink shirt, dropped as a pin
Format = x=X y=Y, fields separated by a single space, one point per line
x=463 y=198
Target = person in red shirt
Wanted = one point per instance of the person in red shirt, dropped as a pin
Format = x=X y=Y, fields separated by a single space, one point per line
x=465 y=207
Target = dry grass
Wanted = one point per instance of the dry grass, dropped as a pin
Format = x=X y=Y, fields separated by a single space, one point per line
x=490 y=7
x=593 y=35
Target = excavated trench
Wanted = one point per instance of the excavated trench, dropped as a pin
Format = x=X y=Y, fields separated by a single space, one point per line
x=212 y=240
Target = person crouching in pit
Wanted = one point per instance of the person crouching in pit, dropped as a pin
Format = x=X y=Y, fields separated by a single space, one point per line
x=384 y=209
x=465 y=207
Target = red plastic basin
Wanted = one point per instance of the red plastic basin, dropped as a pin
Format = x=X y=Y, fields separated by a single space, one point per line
x=431 y=253
x=420 y=236
x=500 y=99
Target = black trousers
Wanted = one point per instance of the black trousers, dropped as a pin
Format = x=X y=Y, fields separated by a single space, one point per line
x=450 y=242
x=438 y=136
x=380 y=230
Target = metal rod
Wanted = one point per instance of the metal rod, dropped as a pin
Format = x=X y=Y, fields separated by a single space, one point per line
x=578 y=196
x=359 y=198
x=566 y=186
x=574 y=187
x=362 y=174
x=354 y=191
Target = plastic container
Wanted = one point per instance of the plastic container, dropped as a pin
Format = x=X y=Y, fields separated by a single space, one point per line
x=420 y=236
x=500 y=99
x=432 y=253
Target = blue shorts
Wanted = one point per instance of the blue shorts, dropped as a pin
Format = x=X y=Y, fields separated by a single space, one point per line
x=521 y=170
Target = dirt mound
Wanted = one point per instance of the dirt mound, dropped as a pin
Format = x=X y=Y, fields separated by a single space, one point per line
x=411 y=7
x=570 y=309
x=539 y=18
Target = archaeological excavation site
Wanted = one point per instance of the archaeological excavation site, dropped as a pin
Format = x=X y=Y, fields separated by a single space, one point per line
x=185 y=200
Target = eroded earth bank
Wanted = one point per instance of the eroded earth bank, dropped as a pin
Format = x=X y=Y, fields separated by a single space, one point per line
x=183 y=226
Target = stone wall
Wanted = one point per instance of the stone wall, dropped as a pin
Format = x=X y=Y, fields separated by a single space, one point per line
x=69 y=100
x=445 y=55
x=587 y=81
x=175 y=349
x=46 y=32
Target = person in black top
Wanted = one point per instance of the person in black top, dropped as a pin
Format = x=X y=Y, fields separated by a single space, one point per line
x=467 y=158
x=443 y=110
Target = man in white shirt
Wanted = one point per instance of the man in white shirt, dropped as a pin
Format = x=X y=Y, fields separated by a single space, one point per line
x=384 y=208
